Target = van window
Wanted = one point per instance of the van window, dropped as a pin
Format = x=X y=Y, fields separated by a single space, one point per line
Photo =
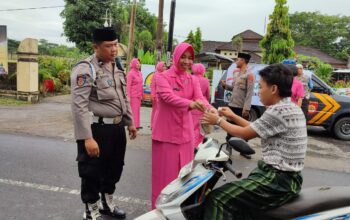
x=319 y=88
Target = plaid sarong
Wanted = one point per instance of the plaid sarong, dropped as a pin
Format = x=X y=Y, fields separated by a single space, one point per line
x=264 y=188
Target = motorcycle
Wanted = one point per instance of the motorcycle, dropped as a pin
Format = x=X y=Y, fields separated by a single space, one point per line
x=183 y=197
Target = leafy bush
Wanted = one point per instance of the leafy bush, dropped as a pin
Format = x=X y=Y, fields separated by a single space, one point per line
x=209 y=74
x=58 y=85
x=56 y=67
x=64 y=77
x=147 y=58
x=322 y=70
x=340 y=84
x=65 y=89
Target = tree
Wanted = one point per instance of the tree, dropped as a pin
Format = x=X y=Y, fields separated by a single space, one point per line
x=327 y=33
x=195 y=40
x=12 y=45
x=45 y=47
x=190 y=38
x=277 y=44
x=83 y=16
x=197 y=44
x=237 y=42
x=145 y=41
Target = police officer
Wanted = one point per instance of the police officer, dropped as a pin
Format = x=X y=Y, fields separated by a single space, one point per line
x=242 y=88
x=100 y=110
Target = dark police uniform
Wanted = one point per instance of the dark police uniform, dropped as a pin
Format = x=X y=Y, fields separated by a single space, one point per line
x=100 y=110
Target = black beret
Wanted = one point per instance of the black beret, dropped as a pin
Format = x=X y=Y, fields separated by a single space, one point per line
x=244 y=56
x=104 y=34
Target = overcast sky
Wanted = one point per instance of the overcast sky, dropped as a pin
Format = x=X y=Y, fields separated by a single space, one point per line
x=219 y=19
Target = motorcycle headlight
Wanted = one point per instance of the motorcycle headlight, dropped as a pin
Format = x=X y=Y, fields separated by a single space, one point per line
x=163 y=198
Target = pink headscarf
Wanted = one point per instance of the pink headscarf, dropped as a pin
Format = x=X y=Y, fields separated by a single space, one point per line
x=179 y=50
x=134 y=63
x=198 y=69
x=159 y=67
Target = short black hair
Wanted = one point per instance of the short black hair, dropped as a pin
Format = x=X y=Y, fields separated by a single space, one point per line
x=293 y=69
x=279 y=75
x=245 y=56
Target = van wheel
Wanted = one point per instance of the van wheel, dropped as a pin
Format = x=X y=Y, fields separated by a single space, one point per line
x=253 y=115
x=341 y=129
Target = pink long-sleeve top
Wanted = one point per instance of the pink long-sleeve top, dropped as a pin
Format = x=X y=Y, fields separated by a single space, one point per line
x=297 y=90
x=198 y=71
x=176 y=89
x=159 y=69
x=134 y=80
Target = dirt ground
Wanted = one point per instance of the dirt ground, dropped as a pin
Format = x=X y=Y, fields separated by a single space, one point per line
x=52 y=118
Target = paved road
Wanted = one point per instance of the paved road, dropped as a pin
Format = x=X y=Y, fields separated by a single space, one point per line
x=52 y=118
x=38 y=178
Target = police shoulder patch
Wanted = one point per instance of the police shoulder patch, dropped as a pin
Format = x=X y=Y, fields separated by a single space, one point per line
x=251 y=77
x=82 y=80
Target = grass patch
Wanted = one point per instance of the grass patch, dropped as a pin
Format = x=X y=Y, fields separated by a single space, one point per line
x=12 y=102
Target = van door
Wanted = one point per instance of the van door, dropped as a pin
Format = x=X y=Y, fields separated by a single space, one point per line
x=321 y=105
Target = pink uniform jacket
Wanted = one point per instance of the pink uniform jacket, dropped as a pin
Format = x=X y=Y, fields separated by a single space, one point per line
x=173 y=118
x=297 y=90
x=159 y=70
x=198 y=71
x=134 y=80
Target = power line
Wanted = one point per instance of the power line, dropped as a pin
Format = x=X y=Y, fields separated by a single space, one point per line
x=23 y=9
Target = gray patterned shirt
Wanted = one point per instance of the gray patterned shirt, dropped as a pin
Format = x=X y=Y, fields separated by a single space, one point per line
x=283 y=133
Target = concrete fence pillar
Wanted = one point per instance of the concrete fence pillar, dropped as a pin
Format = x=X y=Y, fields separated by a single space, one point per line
x=27 y=71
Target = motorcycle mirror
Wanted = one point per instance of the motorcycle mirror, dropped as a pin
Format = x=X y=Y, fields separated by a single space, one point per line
x=241 y=146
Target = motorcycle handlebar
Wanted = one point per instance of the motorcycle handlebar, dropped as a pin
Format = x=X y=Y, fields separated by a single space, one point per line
x=238 y=174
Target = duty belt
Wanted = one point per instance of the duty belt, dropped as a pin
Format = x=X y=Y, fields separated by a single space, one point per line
x=104 y=120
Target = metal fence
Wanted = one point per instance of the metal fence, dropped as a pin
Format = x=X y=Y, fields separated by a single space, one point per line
x=8 y=82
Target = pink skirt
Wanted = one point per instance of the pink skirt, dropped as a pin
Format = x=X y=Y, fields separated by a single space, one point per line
x=167 y=160
x=135 y=104
x=154 y=107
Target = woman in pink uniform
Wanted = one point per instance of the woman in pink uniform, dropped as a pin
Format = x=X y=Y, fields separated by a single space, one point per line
x=134 y=86
x=161 y=67
x=198 y=71
x=178 y=93
x=297 y=87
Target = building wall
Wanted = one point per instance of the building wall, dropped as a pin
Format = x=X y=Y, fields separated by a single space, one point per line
x=229 y=53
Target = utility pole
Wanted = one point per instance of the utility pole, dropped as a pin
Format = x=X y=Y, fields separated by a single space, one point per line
x=160 y=30
x=171 y=31
x=131 y=34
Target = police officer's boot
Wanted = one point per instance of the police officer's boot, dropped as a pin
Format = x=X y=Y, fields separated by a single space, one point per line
x=109 y=208
x=92 y=212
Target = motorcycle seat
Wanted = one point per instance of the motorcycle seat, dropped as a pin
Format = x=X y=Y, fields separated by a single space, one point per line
x=310 y=200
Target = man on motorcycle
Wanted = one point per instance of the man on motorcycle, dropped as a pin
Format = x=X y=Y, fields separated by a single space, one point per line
x=282 y=130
